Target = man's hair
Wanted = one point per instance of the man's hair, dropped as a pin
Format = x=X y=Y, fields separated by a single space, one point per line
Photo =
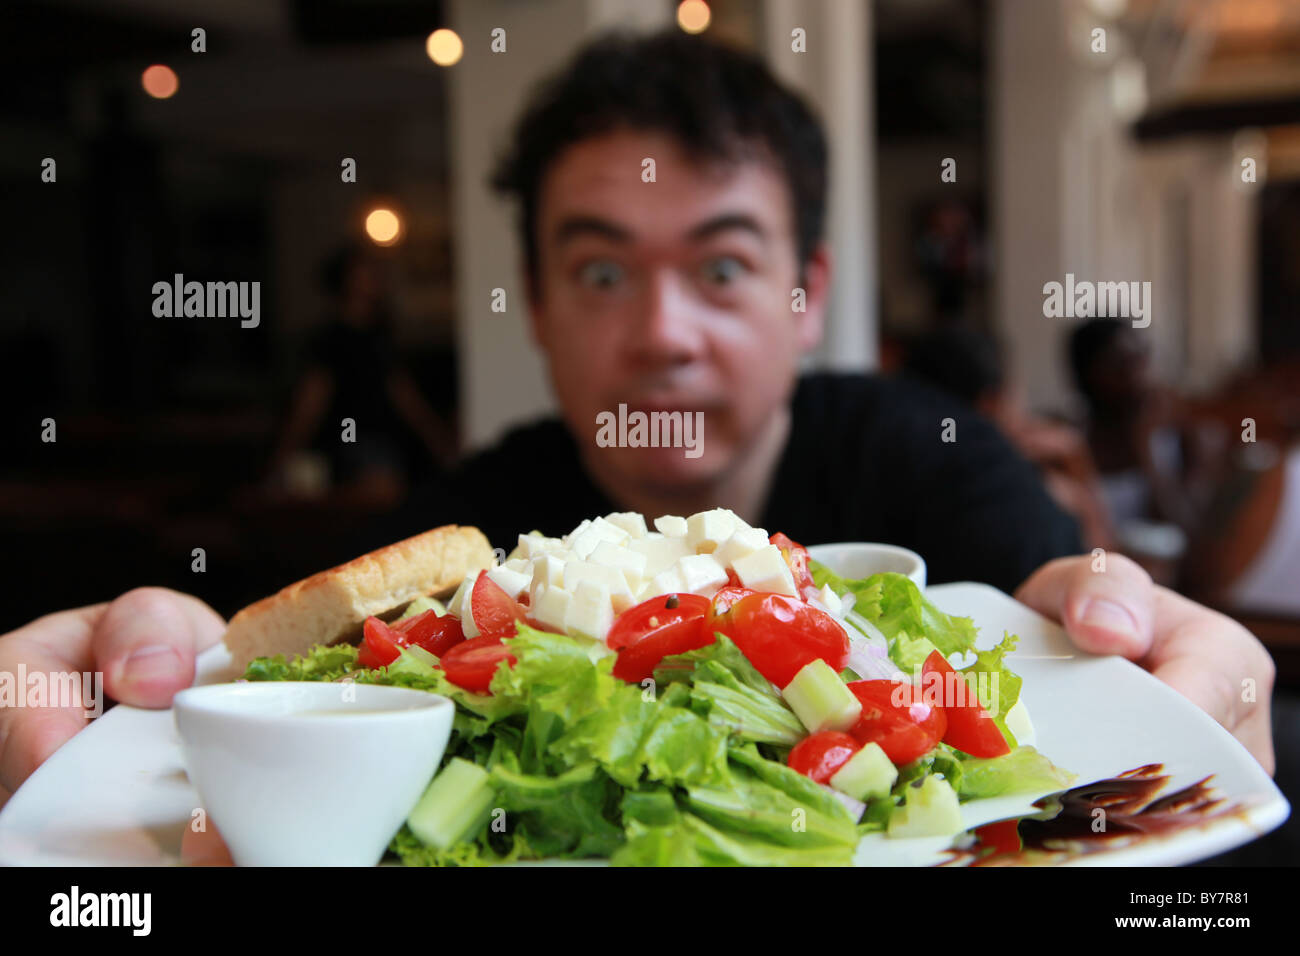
x=1087 y=342
x=718 y=102
x=964 y=362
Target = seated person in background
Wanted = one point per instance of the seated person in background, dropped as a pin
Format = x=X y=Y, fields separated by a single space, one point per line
x=1269 y=580
x=968 y=365
x=353 y=371
x=1155 y=463
x=1245 y=555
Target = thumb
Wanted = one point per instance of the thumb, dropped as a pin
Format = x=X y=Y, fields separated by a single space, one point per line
x=1106 y=607
x=146 y=643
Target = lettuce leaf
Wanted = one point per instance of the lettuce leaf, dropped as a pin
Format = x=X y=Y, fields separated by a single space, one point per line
x=896 y=605
x=585 y=765
x=1021 y=771
x=323 y=662
x=997 y=686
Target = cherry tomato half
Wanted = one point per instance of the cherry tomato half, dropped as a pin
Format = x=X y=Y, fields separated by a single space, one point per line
x=380 y=644
x=656 y=614
x=895 y=717
x=435 y=634
x=471 y=664
x=495 y=612
x=781 y=634
x=796 y=555
x=970 y=727
x=656 y=630
x=724 y=599
x=820 y=755
x=999 y=839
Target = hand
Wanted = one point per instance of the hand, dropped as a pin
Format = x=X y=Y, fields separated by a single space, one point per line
x=1204 y=655
x=144 y=643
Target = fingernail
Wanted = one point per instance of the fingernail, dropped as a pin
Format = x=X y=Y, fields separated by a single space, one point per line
x=152 y=662
x=1109 y=616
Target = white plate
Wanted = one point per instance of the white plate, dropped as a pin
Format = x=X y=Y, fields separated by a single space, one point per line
x=117 y=794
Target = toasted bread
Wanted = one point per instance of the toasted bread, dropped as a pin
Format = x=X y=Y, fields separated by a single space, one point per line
x=331 y=606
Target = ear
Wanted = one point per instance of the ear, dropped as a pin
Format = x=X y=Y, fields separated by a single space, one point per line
x=811 y=323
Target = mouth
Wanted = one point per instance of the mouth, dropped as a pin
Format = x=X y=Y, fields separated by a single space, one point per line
x=669 y=405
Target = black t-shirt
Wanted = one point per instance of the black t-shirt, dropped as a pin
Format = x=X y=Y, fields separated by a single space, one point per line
x=866 y=460
x=360 y=362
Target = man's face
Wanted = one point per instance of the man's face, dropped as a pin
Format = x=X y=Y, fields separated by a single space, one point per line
x=670 y=296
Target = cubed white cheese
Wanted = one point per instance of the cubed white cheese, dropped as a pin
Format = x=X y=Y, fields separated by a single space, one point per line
x=524 y=565
x=766 y=570
x=611 y=579
x=671 y=526
x=661 y=552
x=548 y=569
x=631 y=563
x=743 y=541
x=551 y=607
x=509 y=580
x=583 y=542
x=701 y=574
x=633 y=522
x=534 y=545
x=665 y=582
x=708 y=529
x=590 y=611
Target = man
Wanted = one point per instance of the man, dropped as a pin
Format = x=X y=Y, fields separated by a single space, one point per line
x=675 y=295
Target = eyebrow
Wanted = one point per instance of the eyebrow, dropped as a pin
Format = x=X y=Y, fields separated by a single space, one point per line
x=727 y=221
x=572 y=227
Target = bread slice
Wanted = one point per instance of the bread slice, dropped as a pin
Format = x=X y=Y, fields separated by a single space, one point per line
x=330 y=606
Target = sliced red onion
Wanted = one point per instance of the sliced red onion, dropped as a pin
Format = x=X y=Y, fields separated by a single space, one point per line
x=868 y=628
x=855 y=807
x=870 y=662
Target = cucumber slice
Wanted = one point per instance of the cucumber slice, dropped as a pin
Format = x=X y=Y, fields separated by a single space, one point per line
x=455 y=805
x=930 y=810
x=821 y=700
x=420 y=605
x=1018 y=722
x=868 y=775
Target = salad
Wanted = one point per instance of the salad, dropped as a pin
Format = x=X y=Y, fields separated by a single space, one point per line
x=700 y=693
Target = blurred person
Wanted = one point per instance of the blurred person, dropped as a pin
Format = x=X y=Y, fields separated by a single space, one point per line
x=353 y=370
x=1155 y=463
x=968 y=365
x=1246 y=555
x=951 y=254
x=676 y=295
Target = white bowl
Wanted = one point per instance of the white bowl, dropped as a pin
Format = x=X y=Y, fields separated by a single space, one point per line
x=311 y=773
x=855 y=560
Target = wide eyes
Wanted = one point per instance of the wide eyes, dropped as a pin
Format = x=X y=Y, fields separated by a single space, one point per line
x=600 y=274
x=722 y=270
x=607 y=274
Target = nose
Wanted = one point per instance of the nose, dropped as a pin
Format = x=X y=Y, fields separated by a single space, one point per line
x=668 y=323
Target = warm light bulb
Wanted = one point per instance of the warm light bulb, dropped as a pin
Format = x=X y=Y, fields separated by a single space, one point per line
x=160 y=81
x=383 y=226
x=444 y=47
x=693 y=15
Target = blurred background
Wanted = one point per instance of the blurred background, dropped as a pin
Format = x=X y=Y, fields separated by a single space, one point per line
x=1167 y=153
